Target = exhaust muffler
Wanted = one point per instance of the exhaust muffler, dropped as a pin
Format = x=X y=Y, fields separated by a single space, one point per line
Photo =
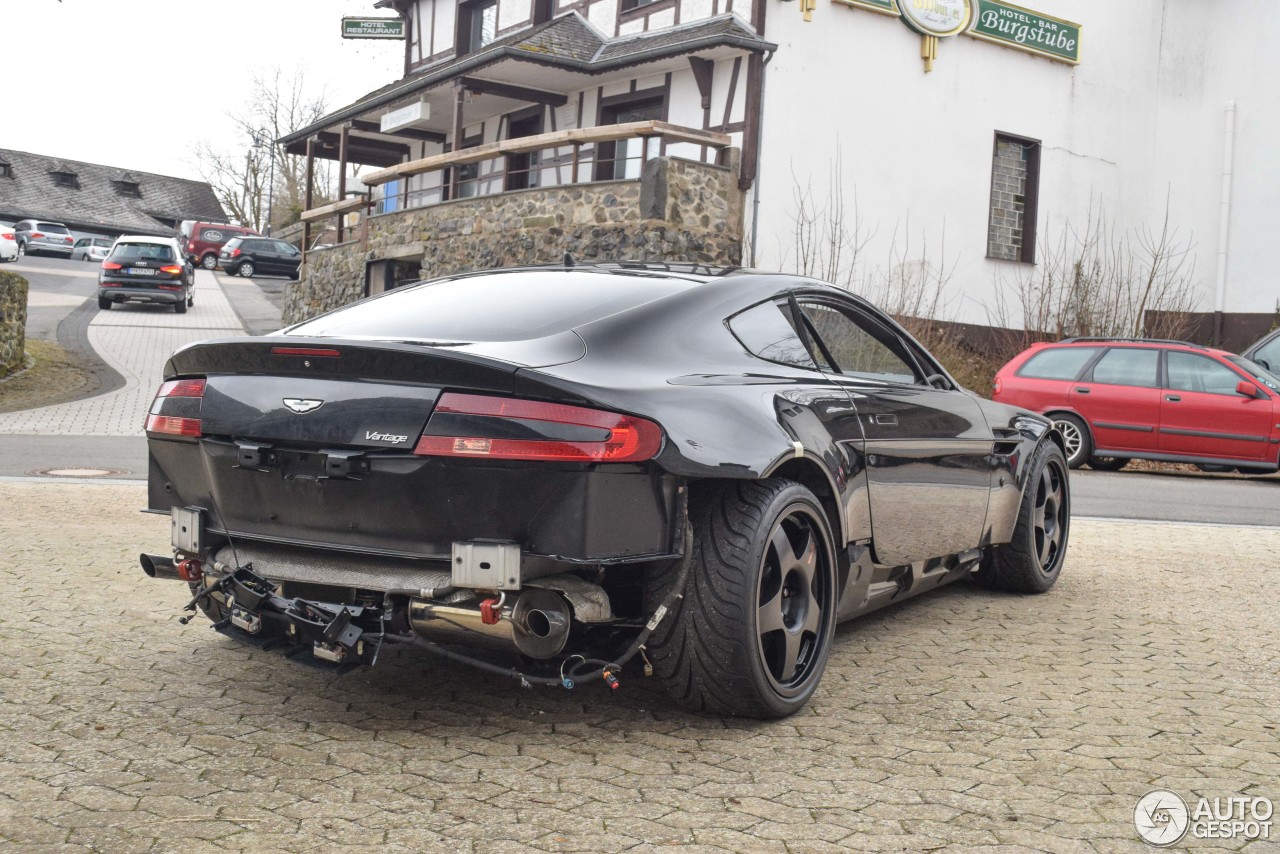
x=537 y=627
x=159 y=566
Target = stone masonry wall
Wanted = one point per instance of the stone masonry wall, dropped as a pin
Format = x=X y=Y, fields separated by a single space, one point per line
x=679 y=210
x=13 y=322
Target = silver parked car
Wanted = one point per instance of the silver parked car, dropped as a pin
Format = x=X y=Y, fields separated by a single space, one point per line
x=91 y=249
x=36 y=236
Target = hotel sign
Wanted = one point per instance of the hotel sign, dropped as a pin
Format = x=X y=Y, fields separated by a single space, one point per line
x=1022 y=29
x=373 y=28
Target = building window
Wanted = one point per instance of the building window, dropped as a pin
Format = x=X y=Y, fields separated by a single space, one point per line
x=625 y=158
x=129 y=189
x=66 y=179
x=1015 y=188
x=628 y=5
x=6 y=170
x=543 y=11
x=477 y=25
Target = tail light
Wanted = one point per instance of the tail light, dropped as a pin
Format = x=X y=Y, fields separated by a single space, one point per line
x=36 y=234
x=111 y=265
x=503 y=428
x=176 y=409
x=67 y=240
x=8 y=235
x=191 y=246
x=235 y=253
x=996 y=386
x=172 y=270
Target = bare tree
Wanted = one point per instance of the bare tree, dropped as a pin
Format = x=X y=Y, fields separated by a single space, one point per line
x=277 y=105
x=1091 y=280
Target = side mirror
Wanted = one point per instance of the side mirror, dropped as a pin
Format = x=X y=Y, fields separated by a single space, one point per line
x=1247 y=389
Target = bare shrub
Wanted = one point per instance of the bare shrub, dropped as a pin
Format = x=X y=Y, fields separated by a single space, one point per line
x=1091 y=280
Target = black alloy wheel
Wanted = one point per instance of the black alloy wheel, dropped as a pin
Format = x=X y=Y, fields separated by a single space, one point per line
x=753 y=632
x=1032 y=560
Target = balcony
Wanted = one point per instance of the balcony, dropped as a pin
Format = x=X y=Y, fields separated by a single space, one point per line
x=644 y=190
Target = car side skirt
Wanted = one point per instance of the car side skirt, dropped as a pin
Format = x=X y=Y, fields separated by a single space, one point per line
x=1270 y=465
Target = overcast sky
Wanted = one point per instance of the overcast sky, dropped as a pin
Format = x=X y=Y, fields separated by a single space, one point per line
x=137 y=83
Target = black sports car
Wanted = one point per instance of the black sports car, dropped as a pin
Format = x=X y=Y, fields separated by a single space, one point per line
x=582 y=465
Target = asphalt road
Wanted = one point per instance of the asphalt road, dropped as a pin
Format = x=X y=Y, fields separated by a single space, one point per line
x=1181 y=497
x=59 y=287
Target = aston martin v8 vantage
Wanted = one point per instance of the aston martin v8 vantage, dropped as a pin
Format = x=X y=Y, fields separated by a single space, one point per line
x=559 y=473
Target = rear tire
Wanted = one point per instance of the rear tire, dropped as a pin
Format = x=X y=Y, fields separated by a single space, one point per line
x=245 y=270
x=104 y=304
x=209 y=261
x=1108 y=463
x=180 y=307
x=752 y=634
x=1032 y=560
x=1075 y=436
x=1211 y=468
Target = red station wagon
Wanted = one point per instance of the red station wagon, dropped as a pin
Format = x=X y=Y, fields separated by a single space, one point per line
x=1117 y=399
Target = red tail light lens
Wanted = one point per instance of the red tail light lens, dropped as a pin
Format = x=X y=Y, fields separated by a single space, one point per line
x=996 y=385
x=503 y=428
x=8 y=235
x=176 y=409
x=37 y=234
x=172 y=270
x=235 y=253
x=110 y=265
x=67 y=240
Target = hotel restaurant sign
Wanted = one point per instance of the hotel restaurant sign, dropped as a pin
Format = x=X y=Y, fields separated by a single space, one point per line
x=989 y=20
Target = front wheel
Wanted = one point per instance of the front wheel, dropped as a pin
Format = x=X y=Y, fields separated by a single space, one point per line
x=752 y=634
x=1032 y=560
x=1075 y=438
x=209 y=261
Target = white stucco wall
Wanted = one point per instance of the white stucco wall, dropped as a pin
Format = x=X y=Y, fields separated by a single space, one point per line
x=1140 y=119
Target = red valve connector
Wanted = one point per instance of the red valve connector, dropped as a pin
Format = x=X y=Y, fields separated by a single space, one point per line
x=490 y=611
x=191 y=571
x=611 y=680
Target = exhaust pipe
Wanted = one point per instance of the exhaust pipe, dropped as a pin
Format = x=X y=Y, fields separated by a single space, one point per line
x=159 y=566
x=538 y=627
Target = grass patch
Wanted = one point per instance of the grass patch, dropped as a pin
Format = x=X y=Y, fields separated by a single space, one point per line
x=53 y=376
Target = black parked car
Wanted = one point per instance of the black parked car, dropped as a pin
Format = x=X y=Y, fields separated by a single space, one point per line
x=146 y=269
x=1266 y=351
x=583 y=464
x=254 y=256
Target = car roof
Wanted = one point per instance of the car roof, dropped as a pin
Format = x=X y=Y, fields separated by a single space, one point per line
x=1149 y=343
x=145 y=238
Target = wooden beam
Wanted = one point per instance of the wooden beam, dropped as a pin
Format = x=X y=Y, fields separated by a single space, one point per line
x=407 y=133
x=307 y=195
x=459 y=94
x=517 y=93
x=702 y=72
x=578 y=136
x=342 y=171
x=345 y=206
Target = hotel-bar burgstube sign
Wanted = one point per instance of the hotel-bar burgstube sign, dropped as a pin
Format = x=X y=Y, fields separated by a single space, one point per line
x=1013 y=26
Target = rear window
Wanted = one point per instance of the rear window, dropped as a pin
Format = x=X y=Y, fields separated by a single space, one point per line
x=496 y=307
x=234 y=242
x=142 y=252
x=106 y=244
x=1058 y=363
x=52 y=228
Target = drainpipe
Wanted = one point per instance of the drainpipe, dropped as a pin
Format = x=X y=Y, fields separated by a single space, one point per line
x=1224 y=221
x=755 y=189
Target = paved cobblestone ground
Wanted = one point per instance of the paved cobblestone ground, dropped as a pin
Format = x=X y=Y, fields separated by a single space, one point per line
x=135 y=340
x=964 y=719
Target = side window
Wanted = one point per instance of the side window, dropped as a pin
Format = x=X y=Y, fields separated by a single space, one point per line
x=285 y=248
x=1189 y=372
x=767 y=333
x=1058 y=363
x=82 y=242
x=1268 y=355
x=1128 y=366
x=861 y=347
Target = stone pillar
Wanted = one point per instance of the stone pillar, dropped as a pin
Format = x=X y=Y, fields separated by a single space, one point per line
x=13 y=322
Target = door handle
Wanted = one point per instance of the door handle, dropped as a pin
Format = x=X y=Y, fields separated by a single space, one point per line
x=885 y=420
x=1082 y=390
x=1172 y=398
